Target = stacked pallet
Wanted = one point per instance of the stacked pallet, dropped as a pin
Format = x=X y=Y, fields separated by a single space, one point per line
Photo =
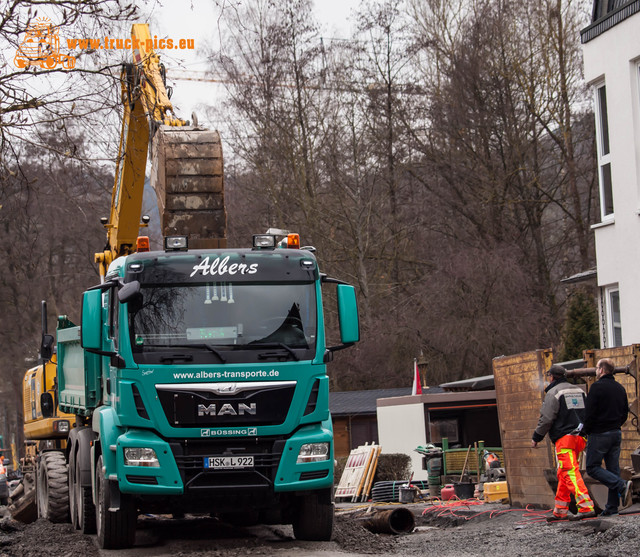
x=357 y=477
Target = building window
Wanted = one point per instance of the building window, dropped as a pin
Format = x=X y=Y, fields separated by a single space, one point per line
x=604 y=158
x=443 y=428
x=611 y=313
x=601 y=8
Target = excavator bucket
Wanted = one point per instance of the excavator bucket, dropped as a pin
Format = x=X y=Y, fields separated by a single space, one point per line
x=23 y=500
x=187 y=176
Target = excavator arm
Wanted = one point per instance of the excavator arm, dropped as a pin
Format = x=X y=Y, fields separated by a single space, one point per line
x=186 y=169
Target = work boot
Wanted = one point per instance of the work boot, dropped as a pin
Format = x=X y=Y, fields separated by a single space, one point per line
x=555 y=518
x=626 y=497
x=609 y=512
x=582 y=516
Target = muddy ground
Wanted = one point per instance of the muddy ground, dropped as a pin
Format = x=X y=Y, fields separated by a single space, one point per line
x=453 y=529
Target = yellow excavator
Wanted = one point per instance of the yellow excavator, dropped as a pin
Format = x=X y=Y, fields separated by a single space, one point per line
x=187 y=176
x=186 y=169
x=45 y=431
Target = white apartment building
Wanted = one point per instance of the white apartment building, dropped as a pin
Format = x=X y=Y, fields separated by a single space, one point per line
x=611 y=49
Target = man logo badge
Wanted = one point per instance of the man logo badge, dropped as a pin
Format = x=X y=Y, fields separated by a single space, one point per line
x=227 y=410
x=227 y=388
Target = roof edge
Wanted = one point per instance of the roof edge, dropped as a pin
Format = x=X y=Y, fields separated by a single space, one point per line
x=610 y=20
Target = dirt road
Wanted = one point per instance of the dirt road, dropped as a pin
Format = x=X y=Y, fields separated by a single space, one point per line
x=457 y=529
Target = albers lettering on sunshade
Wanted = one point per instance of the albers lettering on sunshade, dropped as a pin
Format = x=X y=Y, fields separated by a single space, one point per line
x=227 y=410
x=222 y=267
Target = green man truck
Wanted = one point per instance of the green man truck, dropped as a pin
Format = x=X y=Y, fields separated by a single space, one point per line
x=198 y=382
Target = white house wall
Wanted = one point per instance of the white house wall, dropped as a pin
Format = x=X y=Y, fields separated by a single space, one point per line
x=612 y=58
x=400 y=430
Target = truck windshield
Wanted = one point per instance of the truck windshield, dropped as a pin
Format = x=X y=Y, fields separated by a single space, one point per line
x=215 y=319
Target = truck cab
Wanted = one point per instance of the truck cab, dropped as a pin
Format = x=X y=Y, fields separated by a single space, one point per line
x=203 y=388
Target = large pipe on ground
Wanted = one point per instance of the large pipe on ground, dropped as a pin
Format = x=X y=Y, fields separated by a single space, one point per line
x=393 y=521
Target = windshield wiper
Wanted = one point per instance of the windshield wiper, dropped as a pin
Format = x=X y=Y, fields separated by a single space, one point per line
x=189 y=356
x=259 y=346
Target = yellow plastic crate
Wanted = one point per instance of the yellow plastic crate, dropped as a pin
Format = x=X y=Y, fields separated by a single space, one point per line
x=494 y=491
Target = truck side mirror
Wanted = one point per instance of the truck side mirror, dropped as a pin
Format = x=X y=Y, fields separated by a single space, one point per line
x=46 y=347
x=130 y=293
x=348 y=314
x=46 y=405
x=91 y=330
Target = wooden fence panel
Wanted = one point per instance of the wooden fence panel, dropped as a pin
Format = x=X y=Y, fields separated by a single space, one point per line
x=519 y=381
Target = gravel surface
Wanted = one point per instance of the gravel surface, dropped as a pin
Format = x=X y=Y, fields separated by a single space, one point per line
x=453 y=529
x=519 y=532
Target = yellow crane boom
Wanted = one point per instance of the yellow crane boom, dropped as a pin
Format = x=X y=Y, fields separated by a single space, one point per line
x=186 y=169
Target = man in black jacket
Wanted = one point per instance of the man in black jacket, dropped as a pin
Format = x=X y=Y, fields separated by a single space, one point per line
x=607 y=408
x=561 y=415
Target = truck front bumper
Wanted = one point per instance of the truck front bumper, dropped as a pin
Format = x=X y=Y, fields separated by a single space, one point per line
x=181 y=467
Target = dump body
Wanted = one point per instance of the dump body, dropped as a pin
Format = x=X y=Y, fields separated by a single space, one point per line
x=210 y=393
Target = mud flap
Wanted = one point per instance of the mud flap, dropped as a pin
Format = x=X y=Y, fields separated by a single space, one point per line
x=114 y=496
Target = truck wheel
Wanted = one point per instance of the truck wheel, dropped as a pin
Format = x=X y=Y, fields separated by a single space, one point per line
x=52 y=489
x=116 y=529
x=313 y=519
x=85 y=509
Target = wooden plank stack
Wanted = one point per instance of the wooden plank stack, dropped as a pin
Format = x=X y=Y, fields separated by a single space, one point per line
x=358 y=474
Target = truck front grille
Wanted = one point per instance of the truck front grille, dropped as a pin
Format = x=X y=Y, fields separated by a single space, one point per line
x=190 y=455
x=200 y=405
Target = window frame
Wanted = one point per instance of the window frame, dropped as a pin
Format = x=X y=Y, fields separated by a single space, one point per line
x=612 y=325
x=603 y=151
x=443 y=427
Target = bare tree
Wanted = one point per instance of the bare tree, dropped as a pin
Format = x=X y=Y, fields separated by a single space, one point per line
x=51 y=233
x=502 y=133
x=42 y=83
x=56 y=154
x=437 y=161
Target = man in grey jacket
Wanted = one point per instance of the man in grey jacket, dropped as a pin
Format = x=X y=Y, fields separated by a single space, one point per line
x=561 y=416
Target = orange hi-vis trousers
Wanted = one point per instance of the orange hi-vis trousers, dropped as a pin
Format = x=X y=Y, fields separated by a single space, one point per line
x=568 y=449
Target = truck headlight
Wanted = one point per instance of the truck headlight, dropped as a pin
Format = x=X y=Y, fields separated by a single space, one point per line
x=176 y=243
x=264 y=241
x=313 y=452
x=140 y=456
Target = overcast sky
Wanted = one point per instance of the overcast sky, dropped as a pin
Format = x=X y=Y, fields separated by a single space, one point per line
x=197 y=19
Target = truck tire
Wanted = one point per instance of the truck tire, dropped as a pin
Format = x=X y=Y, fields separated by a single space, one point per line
x=115 y=529
x=313 y=518
x=85 y=509
x=52 y=488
